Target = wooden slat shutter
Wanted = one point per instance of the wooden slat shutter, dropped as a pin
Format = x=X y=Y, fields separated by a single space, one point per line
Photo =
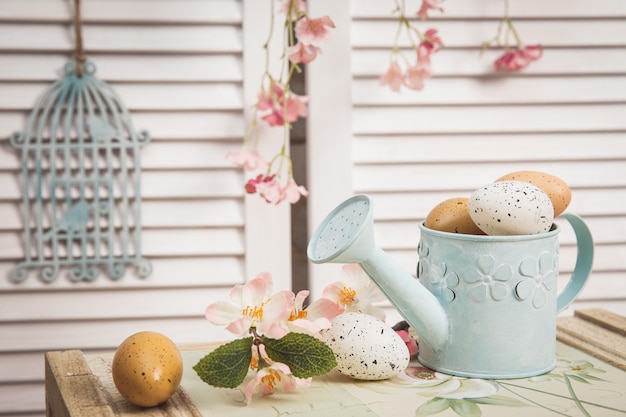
x=188 y=70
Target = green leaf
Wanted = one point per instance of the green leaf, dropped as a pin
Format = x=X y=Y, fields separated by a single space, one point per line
x=499 y=400
x=226 y=366
x=577 y=378
x=434 y=406
x=594 y=378
x=305 y=355
x=465 y=408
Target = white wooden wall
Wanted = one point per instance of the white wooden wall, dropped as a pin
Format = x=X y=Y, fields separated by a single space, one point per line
x=188 y=71
x=565 y=114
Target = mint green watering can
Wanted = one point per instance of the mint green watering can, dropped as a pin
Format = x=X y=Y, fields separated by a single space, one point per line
x=483 y=306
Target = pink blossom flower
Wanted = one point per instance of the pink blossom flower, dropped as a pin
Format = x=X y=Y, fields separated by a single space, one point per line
x=411 y=344
x=279 y=107
x=315 y=317
x=314 y=31
x=254 y=307
x=430 y=44
x=356 y=292
x=427 y=5
x=416 y=74
x=393 y=77
x=268 y=379
x=248 y=160
x=533 y=52
x=298 y=7
x=260 y=182
x=292 y=192
x=301 y=53
x=272 y=192
x=516 y=59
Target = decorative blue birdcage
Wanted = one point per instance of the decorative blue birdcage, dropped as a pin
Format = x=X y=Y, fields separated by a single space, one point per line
x=80 y=181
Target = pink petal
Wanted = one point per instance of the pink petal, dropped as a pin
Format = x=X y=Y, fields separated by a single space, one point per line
x=240 y=327
x=279 y=307
x=533 y=52
x=254 y=292
x=324 y=308
x=221 y=313
x=301 y=53
x=300 y=297
x=314 y=31
x=393 y=77
x=293 y=191
x=331 y=291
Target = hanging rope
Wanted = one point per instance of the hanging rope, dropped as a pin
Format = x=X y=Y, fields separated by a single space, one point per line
x=80 y=51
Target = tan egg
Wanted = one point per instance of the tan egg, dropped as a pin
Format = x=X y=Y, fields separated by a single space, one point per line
x=559 y=192
x=147 y=369
x=452 y=216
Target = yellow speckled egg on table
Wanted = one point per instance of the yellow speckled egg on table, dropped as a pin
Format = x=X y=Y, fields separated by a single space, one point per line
x=452 y=216
x=147 y=368
x=559 y=192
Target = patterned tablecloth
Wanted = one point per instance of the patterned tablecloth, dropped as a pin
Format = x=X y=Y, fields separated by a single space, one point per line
x=580 y=385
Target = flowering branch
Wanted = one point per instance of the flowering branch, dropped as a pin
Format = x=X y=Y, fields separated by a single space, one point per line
x=425 y=44
x=280 y=339
x=515 y=57
x=278 y=106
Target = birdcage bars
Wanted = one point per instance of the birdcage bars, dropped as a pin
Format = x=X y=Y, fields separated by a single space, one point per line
x=81 y=190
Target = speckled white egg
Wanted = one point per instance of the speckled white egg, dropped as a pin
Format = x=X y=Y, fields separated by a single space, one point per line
x=365 y=347
x=511 y=208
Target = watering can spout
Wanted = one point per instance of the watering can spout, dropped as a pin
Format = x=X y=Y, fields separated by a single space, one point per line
x=347 y=236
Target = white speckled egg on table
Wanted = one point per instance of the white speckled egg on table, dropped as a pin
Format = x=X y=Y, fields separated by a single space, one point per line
x=365 y=347
x=511 y=208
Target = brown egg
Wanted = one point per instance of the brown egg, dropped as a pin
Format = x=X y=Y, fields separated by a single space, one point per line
x=147 y=369
x=559 y=192
x=452 y=216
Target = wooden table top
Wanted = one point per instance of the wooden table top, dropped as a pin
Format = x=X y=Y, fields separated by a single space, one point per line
x=81 y=385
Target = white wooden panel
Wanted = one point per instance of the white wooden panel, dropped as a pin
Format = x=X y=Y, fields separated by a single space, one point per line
x=471 y=34
x=162 y=125
x=159 y=155
x=22 y=398
x=511 y=147
x=161 y=213
x=414 y=177
x=104 y=334
x=113 y=38
x=109 y=305
x=187 y=155
x=496 y=90
x=512 y=118
x=199 y=272
x=396 y=206
x=494 y=9
x=137 y=68
x=21 y=367
x=130 y=11
x=600 y=286
x=155 y=243
x=329 y=129
x=161 y=184
x=188 y=96
x=469 y=62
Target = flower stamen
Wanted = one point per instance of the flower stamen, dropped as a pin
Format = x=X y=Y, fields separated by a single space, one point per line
x=255 y=312
x=271 y=379
x=347 y=296
x=298 y=314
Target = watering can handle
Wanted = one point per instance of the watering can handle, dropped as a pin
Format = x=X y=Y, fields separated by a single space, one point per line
x=584 y=260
